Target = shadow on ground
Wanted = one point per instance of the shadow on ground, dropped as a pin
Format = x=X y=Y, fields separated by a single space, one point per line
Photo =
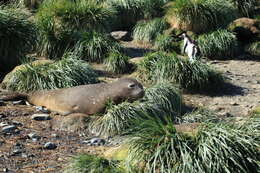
x=136 y=52
x=226 y=89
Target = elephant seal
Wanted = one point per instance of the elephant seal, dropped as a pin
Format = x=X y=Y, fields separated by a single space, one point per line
x=86 y=99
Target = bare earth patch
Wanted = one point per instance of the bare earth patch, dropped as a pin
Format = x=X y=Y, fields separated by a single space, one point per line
x=238 y=98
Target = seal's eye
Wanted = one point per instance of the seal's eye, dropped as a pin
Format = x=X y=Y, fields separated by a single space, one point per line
x=131 y=85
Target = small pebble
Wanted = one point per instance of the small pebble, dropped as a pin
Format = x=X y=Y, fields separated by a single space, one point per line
x=24 y=155
x=34 y=136
x=19 y=102
x=234 y=104
x=9 y=129
x=95 y=142
x=2 y=103
x=2 y=116
x=2 y=124
x=41 y=117
x=54 y=135
x=16 y=152
x=50 y=146
x=17 y=123
x=42 y=109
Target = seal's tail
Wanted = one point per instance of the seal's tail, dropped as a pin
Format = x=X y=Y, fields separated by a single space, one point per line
x=14 y=96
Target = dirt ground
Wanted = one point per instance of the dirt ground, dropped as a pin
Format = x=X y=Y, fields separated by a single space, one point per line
x=20 y=154
x=237 y=98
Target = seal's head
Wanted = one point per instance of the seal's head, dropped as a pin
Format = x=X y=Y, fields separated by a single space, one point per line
x=129 y=89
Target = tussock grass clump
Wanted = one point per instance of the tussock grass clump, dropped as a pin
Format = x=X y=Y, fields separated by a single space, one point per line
x=116 y=120
x=61 y=23
x=95 y=46
x=164 y=97
x=224 y=148
x=64 y=73
x=195 y=76
x=251 y=126
x=118 y=63
x=200 y=116
x=245 y=7
x=144 y=8
x=31 y=4
x=130 y=11
x=147 y=31
x=92 y=164
x=155 y=143
x=153 y=8
x=164 y=43
x=220 y=147
x=200 y=15
x=54 y=45
x=76 y=15
x=159 y=100
x=253 y=48
x=18 y=36
x=218 y=44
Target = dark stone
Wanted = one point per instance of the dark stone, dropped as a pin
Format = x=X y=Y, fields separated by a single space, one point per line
x=9 y=129
x=50 y=146
x=2 y=103
x=41 y=117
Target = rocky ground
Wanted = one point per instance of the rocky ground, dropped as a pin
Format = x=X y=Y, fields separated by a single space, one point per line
x=30 y=145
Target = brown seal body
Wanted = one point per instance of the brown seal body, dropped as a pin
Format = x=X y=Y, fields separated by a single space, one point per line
x=87 y=99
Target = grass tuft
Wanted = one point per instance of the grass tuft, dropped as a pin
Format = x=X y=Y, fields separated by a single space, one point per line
x=156 y=146
x=193 y=76
x=18 y=36
x=131 y=11
x=64 y=73
x=116 y=120
x=147 y=31
x=118 y=63
x=164 y=43
x=164 y=97
x=92 y=164
x=253 y=48
x=76 y=15
x=95 y=46
x=201 y=15
x=200 y=116
x=218 y=44
x=225 y=148
x=245 y=7
x=61 y=23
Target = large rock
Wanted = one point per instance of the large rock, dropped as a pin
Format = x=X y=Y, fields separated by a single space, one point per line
x=246 y=29
x=121 y=35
